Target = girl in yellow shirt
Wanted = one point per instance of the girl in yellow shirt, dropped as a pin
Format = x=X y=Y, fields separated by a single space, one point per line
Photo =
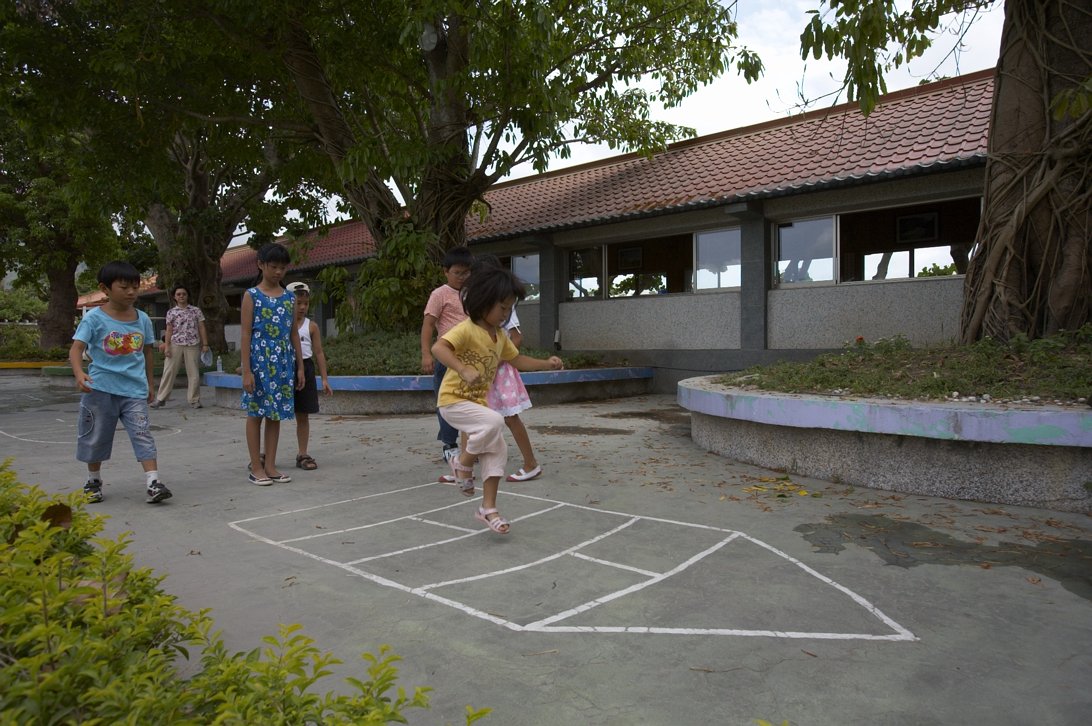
x=471 y=351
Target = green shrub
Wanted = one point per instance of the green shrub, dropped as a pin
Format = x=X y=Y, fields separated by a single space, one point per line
x=20 y=343
x=20 y=305
x=384 y=353
x=381 y=353
x=85 y=637
x=1054 y=367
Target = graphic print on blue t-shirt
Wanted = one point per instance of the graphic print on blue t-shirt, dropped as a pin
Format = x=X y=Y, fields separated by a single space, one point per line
x=116 y=348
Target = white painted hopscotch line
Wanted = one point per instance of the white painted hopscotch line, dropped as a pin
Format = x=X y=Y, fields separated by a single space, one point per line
x=66 y=435
x=553 y=623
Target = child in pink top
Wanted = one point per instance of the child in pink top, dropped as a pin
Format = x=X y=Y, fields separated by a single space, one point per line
x=444 y=311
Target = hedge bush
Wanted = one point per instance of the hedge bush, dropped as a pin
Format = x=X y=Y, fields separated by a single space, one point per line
x=86 y=637
x=381 y=353
x=20 y=342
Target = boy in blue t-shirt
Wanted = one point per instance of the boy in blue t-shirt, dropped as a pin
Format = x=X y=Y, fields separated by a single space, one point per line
x=118 y=384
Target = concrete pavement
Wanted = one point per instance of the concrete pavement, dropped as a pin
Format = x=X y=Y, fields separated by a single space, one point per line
x=644 y=581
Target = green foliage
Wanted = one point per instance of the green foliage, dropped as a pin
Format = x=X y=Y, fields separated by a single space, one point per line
x=392 y=288
x=18 y=304
x=875 y=38
x=1073 y=102
x=374 y=353
x=935 y=270
x=20 y=343
x=1052 y=368
x=86 y=637
x=385 y=353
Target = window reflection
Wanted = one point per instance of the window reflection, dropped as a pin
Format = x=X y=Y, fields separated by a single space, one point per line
x=585 y=273
x=806 y=250
x=718 y=259
x=525 y=267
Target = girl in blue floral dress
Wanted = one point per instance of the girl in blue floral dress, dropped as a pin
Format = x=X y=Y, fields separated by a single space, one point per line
x=271 y=362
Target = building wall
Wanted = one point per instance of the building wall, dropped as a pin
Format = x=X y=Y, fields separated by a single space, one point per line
x=674 y=322
x=925 y=311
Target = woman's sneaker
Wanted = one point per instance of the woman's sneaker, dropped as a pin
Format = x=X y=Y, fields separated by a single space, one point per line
x=157 y=492
x=92 y=491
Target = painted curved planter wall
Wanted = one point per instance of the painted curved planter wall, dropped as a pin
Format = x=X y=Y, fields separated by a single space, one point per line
x=1039 y=456
x=414 y=394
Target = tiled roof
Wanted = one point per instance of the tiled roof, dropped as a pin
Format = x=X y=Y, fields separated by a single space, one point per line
x=97 y=298
x=912 y=131
x=344 y=244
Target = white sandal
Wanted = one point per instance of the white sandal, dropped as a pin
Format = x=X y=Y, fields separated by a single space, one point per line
x=522 y=475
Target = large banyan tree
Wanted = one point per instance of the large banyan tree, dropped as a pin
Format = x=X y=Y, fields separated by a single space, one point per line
x=1031 y=270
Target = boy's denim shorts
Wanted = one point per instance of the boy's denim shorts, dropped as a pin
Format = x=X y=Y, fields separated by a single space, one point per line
x=99 y=416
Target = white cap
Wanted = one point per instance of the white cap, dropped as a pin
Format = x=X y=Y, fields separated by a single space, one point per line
x=298 y=287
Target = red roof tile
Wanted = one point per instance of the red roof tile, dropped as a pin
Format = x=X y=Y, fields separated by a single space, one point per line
x=910 y=131
x=914 y=129
x=346 y=243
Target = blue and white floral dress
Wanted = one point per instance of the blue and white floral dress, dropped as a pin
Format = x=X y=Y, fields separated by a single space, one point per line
x=272 y=358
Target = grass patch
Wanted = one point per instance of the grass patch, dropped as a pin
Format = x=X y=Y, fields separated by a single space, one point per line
x=1057 y=368
x=394 y=354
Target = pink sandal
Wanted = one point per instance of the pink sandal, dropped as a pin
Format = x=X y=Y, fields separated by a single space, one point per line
x=466 y=486
x=498 y=523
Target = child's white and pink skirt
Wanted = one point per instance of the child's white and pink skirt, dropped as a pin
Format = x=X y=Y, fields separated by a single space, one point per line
x=508 y=396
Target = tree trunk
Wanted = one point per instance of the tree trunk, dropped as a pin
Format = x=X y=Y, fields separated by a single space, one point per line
x=58 y=323
x=372 y=200
x=193 y=261
x=1031 y=271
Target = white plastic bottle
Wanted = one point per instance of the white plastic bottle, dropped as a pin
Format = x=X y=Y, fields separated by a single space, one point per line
x=219 y=364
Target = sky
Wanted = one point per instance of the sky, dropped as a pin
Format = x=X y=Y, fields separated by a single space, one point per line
x=772 y=29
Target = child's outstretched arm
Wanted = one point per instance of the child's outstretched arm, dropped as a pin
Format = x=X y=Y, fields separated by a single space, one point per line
x=444 y=352
x=527 y=363
x=428 y=331
x=246 y=331
x=75 y=359
x=320 y=357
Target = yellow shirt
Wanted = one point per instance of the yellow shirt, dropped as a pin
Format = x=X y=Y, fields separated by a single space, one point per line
x=474 y=347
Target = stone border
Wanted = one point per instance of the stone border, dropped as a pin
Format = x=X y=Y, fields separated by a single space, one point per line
x=414 y=394
x=1036 y=456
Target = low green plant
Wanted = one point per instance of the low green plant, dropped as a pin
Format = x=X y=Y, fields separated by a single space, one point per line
x=86 y=637
x=1053 y=368
x=20 y=304
x=20 y=343
x=383 y=353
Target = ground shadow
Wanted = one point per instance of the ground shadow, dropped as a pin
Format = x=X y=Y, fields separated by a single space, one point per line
x=908 y=544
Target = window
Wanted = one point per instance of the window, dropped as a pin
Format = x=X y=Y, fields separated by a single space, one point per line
x=585 y=273
x=805 y=250
x=905 y=242
x=650 y=266
x=718 y=259
x=525 y=267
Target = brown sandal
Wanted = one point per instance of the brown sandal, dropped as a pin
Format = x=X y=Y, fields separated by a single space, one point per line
x=306 y=462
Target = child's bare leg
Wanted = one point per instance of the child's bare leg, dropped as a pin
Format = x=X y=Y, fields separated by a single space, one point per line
x=150 y=465
x=490 y=487
x=523 y=441
x=303 y=432
x=489 y=500
x=253 y=440
x=272 y=436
